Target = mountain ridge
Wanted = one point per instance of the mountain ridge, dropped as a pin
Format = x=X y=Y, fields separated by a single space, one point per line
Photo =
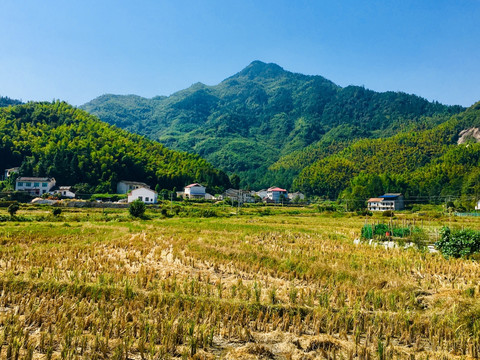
x=252 y=119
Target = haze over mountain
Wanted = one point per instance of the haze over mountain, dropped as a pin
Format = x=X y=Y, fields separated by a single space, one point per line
x=262 y=114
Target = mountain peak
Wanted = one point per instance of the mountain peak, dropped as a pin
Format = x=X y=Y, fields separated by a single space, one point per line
x=258 y=68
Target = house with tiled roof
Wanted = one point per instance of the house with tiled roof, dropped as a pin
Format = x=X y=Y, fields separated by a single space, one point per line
x=277 y=194
x=386 y=202
x=125 y=186
x=34 y=185
x=194 y=191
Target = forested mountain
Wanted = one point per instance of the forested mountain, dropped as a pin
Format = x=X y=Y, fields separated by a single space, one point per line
x=428 y=164
x=265 y=115
x=56 y=139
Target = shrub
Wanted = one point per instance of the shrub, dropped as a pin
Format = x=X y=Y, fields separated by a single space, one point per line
x=388 y=213
x=137 y=208
x=12 y=209
x=461 y=243
x=56 y=211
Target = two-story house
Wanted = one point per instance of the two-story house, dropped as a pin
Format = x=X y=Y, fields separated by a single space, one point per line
x=277 y=194
x=34 y=185
x=194 y=191
x=386 y=202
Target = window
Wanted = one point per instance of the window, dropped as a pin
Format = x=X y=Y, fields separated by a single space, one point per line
x=28 y=184
x=44 y=184
x=20 y=184
x=36 y=184
x=140 y=198
x=146 y=198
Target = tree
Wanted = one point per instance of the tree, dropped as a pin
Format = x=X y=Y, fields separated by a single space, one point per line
x=137 y=208
x=12 y=209
x=56 y=211
x=235 y=181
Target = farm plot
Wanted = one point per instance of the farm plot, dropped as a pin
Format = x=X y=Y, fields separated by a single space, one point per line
x=247 y=287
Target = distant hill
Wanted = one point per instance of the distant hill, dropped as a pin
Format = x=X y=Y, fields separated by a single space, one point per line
x=267 y=124
x=431 y=164
x=56 y=139
x=6 y=101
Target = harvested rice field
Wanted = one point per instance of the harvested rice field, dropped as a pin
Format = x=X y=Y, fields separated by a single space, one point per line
x=287 y=284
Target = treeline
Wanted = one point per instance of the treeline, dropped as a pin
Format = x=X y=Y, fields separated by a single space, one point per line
x=425 y=164
x=6 y=101
x=58 y=140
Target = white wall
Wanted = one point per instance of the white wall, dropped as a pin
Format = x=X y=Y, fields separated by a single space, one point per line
x=148 y=196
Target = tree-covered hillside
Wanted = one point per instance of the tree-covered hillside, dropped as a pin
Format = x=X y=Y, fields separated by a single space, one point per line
x=262 y=114
x=56 y=139
x=420 y=164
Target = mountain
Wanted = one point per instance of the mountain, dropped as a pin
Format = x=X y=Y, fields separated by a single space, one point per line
x=266 y=124
x=432 y=164
x=56 y=139
x=6 y=101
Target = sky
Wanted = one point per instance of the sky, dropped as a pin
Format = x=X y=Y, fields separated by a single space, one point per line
x=78 y=50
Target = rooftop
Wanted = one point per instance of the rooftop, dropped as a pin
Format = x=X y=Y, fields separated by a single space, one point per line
x=276 y=189
x=28 y=178
x=193 y=185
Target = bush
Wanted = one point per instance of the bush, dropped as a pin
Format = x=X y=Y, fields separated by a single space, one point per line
x=12 y=209
x=388 y=213
x=461 y=243
x=56 y=211
x=137 y=208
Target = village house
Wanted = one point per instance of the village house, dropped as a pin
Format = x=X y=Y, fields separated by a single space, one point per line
x=276 y=194
x=244 y=196
x=194 y=191
x=147 y=195
x=65 y=191
x=124 y=186
x=296 y=196
x=262 y=194
x=386 y=202
x=34 y=185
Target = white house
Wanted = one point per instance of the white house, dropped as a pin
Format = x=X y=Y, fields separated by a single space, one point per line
x=477 y=207
x=386 y=202
x=194 y=191
x=262 y=193
x=65 y=191
x=124 y=186
x=275 y=194
x=148 y=196
x=34 y=185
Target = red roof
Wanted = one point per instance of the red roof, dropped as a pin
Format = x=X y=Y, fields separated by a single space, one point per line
x=375 y=199
x=276 y=189
x=193 y=185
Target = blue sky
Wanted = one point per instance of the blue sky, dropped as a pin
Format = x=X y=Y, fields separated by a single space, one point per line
x=78 y=50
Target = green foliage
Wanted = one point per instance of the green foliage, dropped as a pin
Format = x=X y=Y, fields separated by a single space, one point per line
x=58 y=140
x=426 y=164
x=12 y=209
x=380 y=230
x=56 y=211
x=263 y=114
x=137 y=208
x=6 y=101
x=460 y=243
